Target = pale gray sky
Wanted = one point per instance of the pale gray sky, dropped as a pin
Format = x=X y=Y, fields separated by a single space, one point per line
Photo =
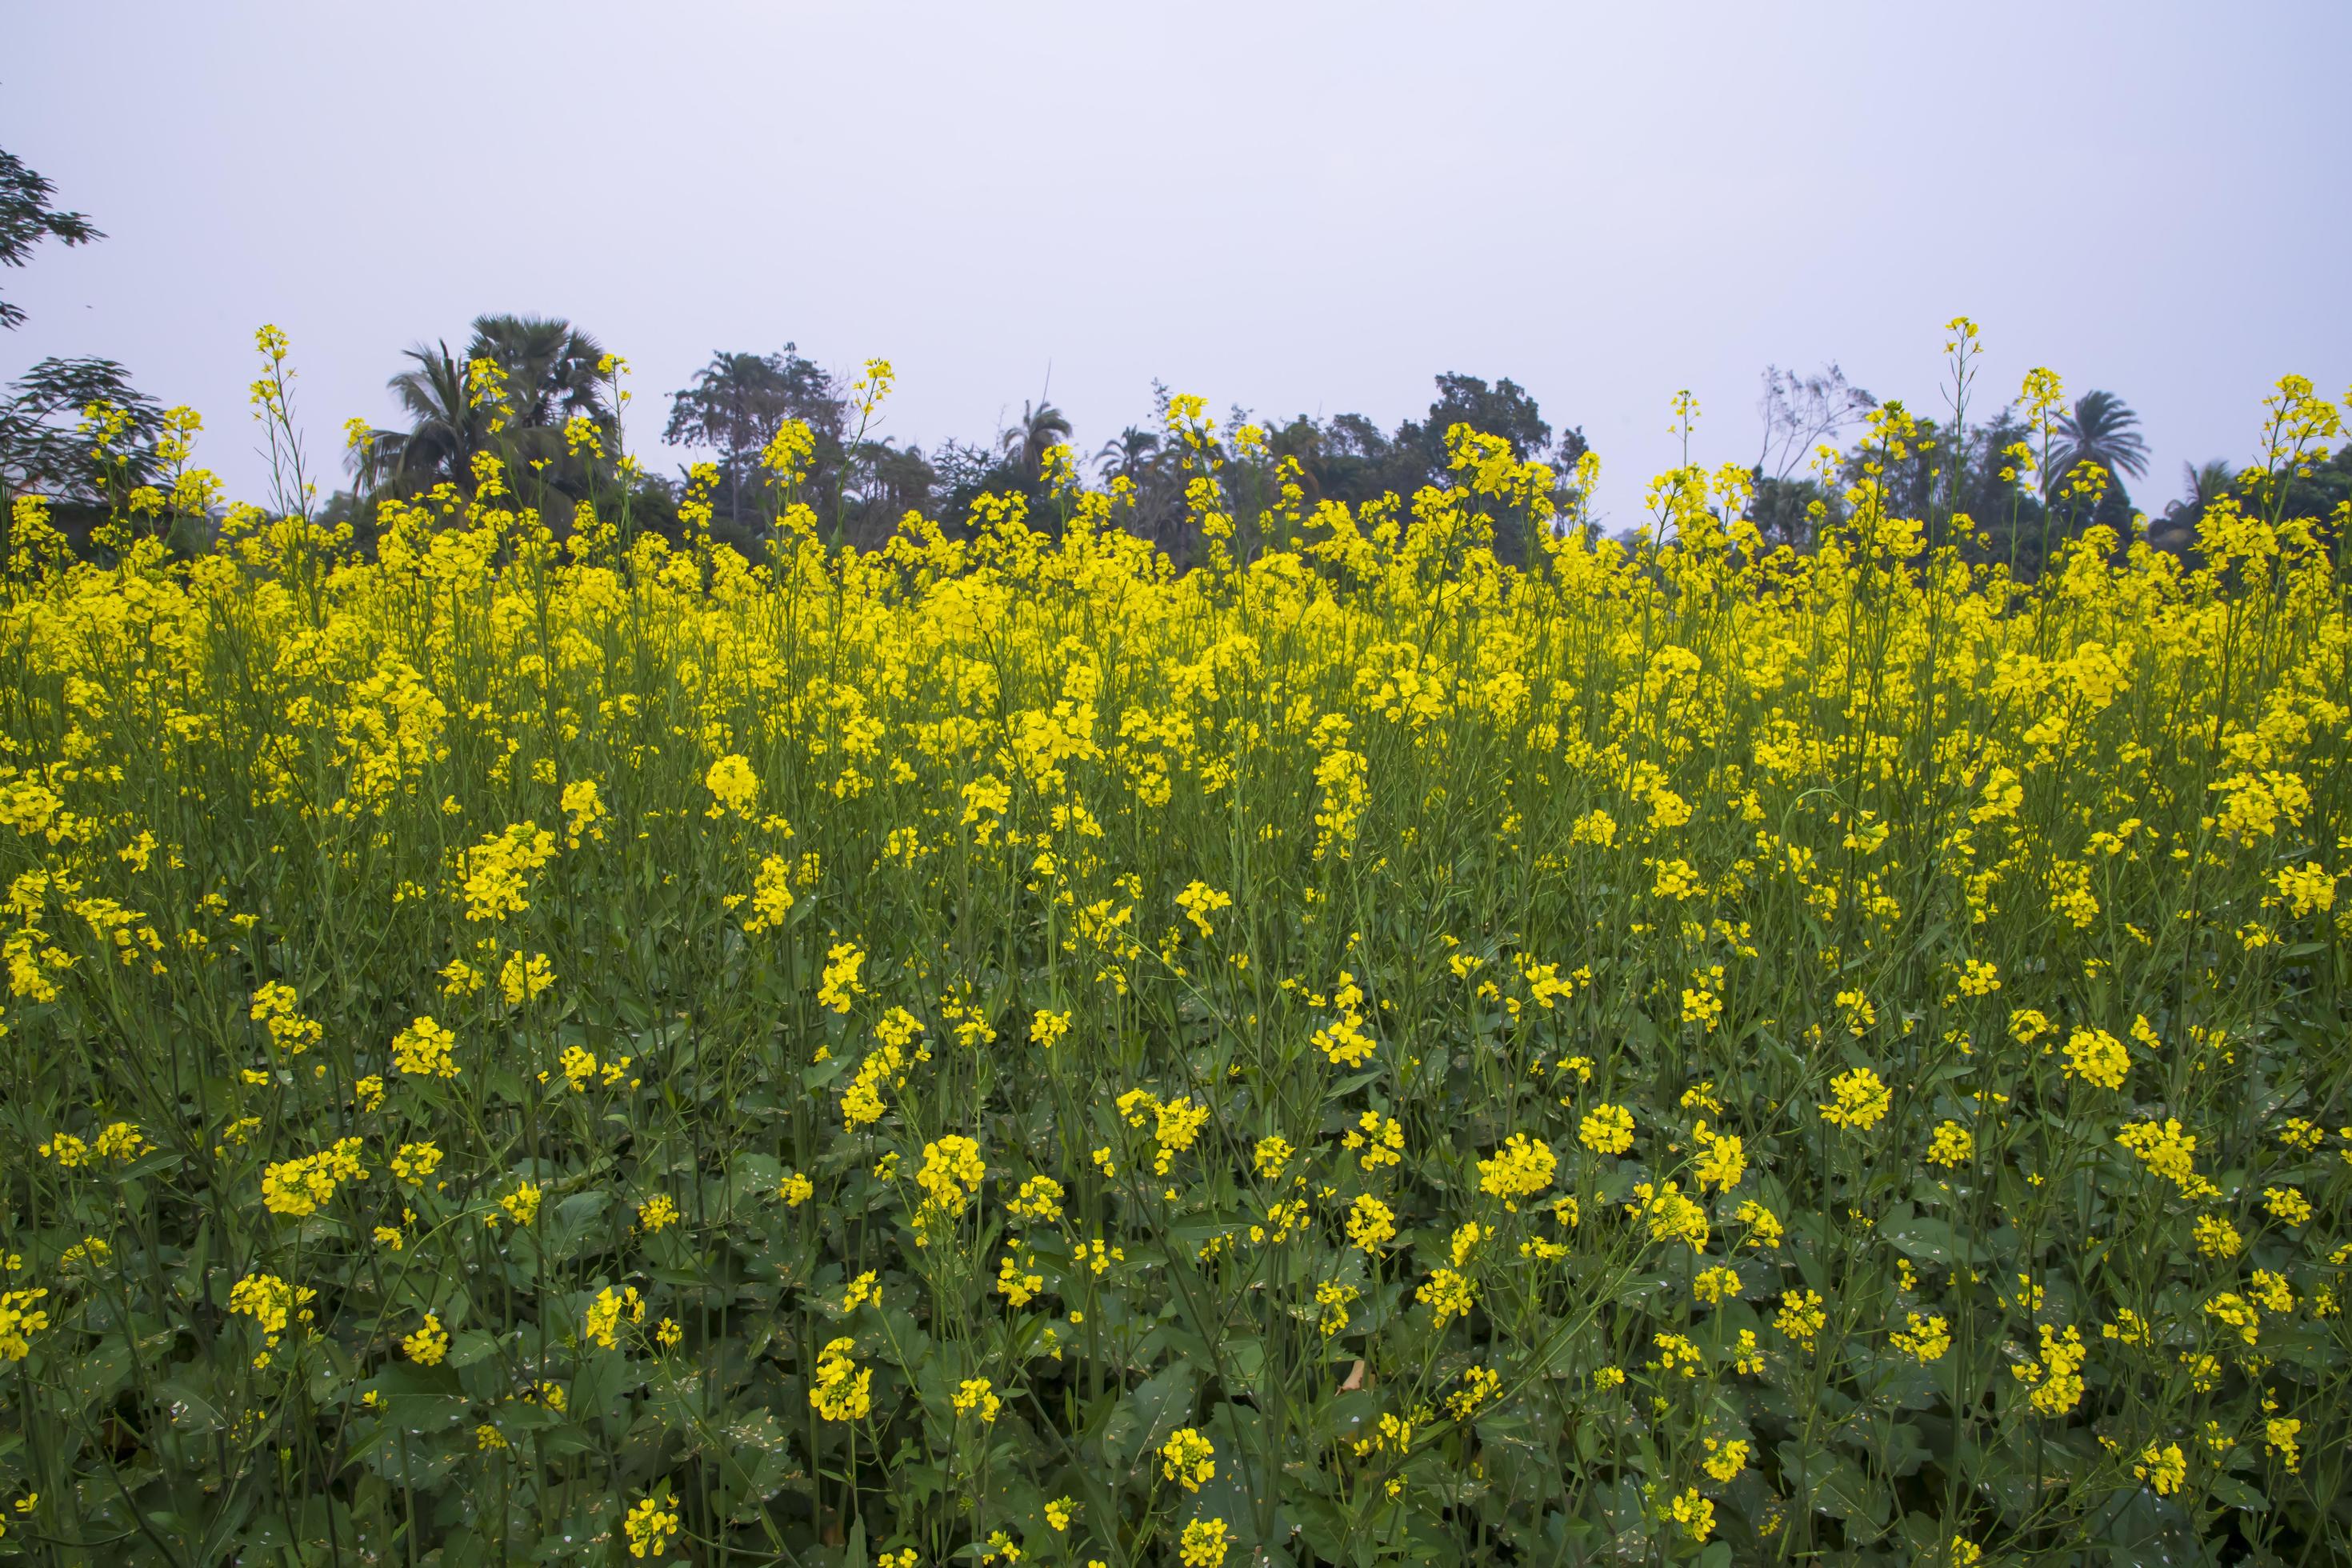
x=1297 y=207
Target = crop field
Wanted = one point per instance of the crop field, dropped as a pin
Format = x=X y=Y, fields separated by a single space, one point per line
x=533 y=1042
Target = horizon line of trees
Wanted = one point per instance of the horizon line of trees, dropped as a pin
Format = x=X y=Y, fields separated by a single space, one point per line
x=539 y=394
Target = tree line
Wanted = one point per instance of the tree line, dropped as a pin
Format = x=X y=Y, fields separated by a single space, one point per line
x=542 y=396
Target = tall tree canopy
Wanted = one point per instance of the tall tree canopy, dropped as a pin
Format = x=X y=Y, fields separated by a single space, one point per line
x=2102 y=429
x=44 y=446
x=552 y=373
x=26 y=218
x=735 y=404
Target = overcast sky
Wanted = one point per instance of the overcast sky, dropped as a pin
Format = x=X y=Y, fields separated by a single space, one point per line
x=1294 y=207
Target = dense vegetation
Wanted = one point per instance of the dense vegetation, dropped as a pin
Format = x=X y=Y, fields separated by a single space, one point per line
x=991 y=1047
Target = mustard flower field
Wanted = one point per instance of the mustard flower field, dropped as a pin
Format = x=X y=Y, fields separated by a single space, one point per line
x=531 y=1041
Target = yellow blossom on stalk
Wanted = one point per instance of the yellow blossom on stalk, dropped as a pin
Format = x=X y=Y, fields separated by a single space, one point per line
x=2170 y=1151
x=602 y=1324
x=1676 y=1353
x=951 y=1176
x=2216 y=1236
x=2287 y=1204
x=1722 y=1159
x=584 y=811
x=1271 y=1155
x=1202 y=1544
x=772 y=894
x=1039 y=1200
x=1015 y=1282
x=1800 y=1318
x=1694 y=1513
x=20 y=1318
x=1048 y=1026
x=861 y=1290
x=523 y=977
x=1715 y=1285
x=1977 y=977
x=840 y=984
x=271 y=1303
x=1671 y=1216
x=428 y=1344
x=1607 y=1130
x=1480 y=1386
x=2055 y=1378
x=2279 y=1437
x=1188 y=1460
x=1333 y=1299
x=1764 y=1228
x=2164 y=1468
x=121 y=1141
x=1448 y=1295
x=275 y=1008
x=657 y=1214
x=1951 y=1146
x=423 y=1050
x=976 y=1396
x=649 y=1527
x=299 y=1187
x=496 y=873
x=1520 y=1169
x=840 y=1389
x=1176 y=1123
x=521 y=1206
x=1724 y=1460
x=1924 y=1338
x=2098 y=1057
x=1380 y=1139
x=1370 y=1223
x=1344 y=1041
x=1860 y=1101
x=1199 y=901
x=734 y=787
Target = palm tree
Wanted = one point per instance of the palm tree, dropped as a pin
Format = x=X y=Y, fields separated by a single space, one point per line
x=1127 y=457
x=2100 y=430
x=2202 y=484
x=445 y=428
x=553 y=368
x=552 y=374
x=2205 y=483
x=1040 y=426
x=736 y=403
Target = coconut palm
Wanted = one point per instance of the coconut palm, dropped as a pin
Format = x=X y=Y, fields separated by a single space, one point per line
x=552 y=375
x=2101 y=430
x=1042 y=425
x=1127 y=457
x=445 y=429
x=2202 y=484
